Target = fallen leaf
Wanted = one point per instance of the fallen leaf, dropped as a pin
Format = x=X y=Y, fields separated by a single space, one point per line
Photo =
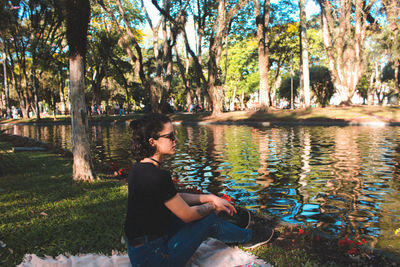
x=2 y=244
x=31 y=211
x=11 y=251
x=44 y=214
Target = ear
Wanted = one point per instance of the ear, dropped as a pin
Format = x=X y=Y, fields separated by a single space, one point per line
x=152 y=141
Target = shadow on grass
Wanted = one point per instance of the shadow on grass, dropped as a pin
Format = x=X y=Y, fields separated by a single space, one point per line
x=44 y=212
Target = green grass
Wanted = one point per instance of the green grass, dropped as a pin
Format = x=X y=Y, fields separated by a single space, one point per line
x=44 y=212
x=278 y=256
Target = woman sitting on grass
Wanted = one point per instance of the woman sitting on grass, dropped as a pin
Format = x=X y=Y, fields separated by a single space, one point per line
x=163 y=227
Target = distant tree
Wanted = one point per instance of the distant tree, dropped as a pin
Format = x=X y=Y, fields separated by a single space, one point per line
x=286 y=87
x=392 y=10
x=218 y=28
x=77 y=20
x=344 y=30
x=242 y=77
x=320 y=82
x=362 y=87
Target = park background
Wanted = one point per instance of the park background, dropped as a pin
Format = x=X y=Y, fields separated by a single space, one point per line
x=72 y=57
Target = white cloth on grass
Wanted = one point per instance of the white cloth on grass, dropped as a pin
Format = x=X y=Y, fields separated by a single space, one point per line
x=211 y=252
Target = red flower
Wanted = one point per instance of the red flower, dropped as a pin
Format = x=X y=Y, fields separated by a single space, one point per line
x=363 y=241
x=227 y=198
x=122 y=171
x=352 y=251
x=345 y=242
x=301 y=232
x=358 y=243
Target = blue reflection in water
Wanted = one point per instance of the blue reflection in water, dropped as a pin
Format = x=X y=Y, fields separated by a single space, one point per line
x=343 y=180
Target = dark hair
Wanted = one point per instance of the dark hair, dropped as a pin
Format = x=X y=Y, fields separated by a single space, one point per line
x=143 y=129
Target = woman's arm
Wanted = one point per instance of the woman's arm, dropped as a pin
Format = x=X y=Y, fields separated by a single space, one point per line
x=186 y=213
x=219 y=203
x=194 y=199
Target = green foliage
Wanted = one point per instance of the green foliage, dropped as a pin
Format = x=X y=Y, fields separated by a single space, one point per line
x=320 y=83
x=242 y=72
x=362 y=87
x=387 y=72
x=286 y=87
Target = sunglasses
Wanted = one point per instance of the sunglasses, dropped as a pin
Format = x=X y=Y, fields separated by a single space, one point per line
x=171 y=136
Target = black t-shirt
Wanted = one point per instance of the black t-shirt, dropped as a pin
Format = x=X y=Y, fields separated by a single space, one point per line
x=149 y=187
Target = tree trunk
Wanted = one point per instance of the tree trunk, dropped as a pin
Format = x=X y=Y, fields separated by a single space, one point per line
x=35 y=89
x=77 y=18
x=220 y=30
x=184 y=72
x=232 y=106
x=62 y=97
x=305 y=72
x=6 y=89
x=344 y=38
x=397 y=75
x=97 y=79
x=371 y=89
x=82 y=168
x=262 y=21
x=276 y=85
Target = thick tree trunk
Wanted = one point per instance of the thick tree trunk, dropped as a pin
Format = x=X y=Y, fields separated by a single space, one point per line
x=262 y=21
x=220 y=30
x=77 y=18
x=344 y=38
x=82 y=168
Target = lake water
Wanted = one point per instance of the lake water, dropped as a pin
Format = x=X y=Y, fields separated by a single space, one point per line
x=341 y=180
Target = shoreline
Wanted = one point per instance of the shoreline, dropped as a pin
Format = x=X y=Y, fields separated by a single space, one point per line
x=272 y=123
x=374 y=116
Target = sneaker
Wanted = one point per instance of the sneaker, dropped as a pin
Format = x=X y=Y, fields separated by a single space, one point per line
x=242 y=218
x=261 y=234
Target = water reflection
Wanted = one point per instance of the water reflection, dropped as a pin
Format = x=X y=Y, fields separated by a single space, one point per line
x=343 y=180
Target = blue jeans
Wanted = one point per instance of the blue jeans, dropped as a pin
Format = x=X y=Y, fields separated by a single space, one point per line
x=183 y=241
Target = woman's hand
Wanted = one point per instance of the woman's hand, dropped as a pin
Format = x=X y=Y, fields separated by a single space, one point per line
x=222 y=205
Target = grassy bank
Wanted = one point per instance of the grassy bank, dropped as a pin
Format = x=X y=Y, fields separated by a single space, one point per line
x=45 y=213
x=329 y=114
